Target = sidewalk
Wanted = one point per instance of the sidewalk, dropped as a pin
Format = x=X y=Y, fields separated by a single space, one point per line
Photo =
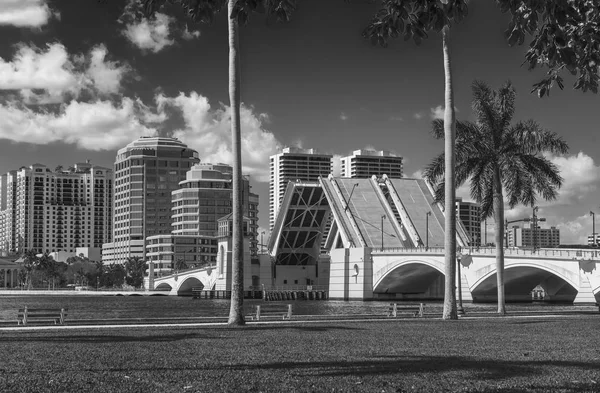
x=299 y=319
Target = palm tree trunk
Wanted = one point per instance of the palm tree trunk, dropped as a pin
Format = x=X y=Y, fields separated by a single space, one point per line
x=236 y=316
x=499 y=217
x=450 y=204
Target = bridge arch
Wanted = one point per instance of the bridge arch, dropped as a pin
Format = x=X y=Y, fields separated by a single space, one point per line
x=163 y=286
x=409 y=276
x=521 y=278
x=185 y=288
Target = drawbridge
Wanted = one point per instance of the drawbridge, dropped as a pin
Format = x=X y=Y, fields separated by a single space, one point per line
x=378 y=213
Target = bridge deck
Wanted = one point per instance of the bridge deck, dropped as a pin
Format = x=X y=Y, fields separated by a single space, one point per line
x=417 y=201
x=367 y=210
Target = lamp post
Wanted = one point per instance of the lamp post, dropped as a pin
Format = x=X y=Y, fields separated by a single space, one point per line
x=534 y=233
x=262 y=245
x=593 y=228
x=382 y=218
x=459 y=309
x=427 y=230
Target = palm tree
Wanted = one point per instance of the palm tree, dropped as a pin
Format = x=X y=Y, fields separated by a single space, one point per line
x=135 y=268
x=238 y=12
x=413 y=18
x=499 y=158
x=30 y=261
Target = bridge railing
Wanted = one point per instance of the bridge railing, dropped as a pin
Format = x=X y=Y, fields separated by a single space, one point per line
x=296 y=287
x=559 y=253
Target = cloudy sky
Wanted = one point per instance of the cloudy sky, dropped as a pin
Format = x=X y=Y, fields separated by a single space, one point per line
x=80 y=79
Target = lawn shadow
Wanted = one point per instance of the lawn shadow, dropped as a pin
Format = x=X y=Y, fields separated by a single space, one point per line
x=306 y=328
x=397 y=365
x=105 y=339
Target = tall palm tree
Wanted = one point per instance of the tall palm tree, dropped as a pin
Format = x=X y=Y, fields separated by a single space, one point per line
x=414 y=18
x=238 y=12
x=30 y=261
x=500 y=158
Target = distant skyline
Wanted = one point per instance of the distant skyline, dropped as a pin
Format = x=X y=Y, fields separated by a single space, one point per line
x=79 y=80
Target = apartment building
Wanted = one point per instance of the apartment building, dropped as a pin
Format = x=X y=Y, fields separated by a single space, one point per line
x=530 y=236
x=290 y=165
x=469 y=213
x=366 y=163
x=146 y=172
x=55 y=210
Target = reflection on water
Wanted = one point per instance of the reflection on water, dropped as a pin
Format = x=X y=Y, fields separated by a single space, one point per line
x=109 y=307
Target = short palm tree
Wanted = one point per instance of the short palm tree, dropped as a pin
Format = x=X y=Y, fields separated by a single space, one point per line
x=499 y=159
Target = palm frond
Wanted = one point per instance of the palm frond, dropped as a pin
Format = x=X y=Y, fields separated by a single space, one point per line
x=437 y=129
x=534 y=139
x=506 y=104
x=434 y=172
x=483 y=105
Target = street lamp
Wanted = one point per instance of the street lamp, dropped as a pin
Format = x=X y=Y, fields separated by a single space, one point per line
x=593 y=228
x=382 y=218
x=460 y=310
x=262 y=245
x=534 y=233
x=427 y=230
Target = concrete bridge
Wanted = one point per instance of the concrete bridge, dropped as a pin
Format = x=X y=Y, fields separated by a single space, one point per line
x=404 y=273
x=181 y=283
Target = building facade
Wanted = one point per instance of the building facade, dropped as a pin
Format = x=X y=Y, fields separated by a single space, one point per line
x=469 y=214
x=366 y=163
x=294 y=164
x=163 y=251
x=529 y=236
x=53 y=211
x=590 y=240
x=205 y=196
x=146 y=172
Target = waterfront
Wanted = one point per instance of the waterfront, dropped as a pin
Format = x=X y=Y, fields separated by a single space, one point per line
x=176 y=307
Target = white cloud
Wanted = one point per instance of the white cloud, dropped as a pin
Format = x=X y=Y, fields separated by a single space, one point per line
x=208 y=130
x=25 y=13
x=343 y=116
x=581 y=177
x=576 y=231
x=396 y=118
x=99 y=125
x=438 y=112
x=189 y=35
x=153 y=35
x=58 y=74
x=418 y=115
x=31 y=68
x=105 y=75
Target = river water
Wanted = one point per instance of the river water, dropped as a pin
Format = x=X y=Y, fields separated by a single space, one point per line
x=127 y=307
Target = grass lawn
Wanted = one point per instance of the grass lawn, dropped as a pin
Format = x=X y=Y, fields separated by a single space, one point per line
x=487 y=355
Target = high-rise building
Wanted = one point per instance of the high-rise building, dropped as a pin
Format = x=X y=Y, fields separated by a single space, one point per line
x=294 y=164
x=8 y=200
x=530 y=236
x=468 y=213
x=204 y=197
x=146 y=172
x=366 y=163
x=53 y=211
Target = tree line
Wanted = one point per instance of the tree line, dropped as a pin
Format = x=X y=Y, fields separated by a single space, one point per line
x=41 y=271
